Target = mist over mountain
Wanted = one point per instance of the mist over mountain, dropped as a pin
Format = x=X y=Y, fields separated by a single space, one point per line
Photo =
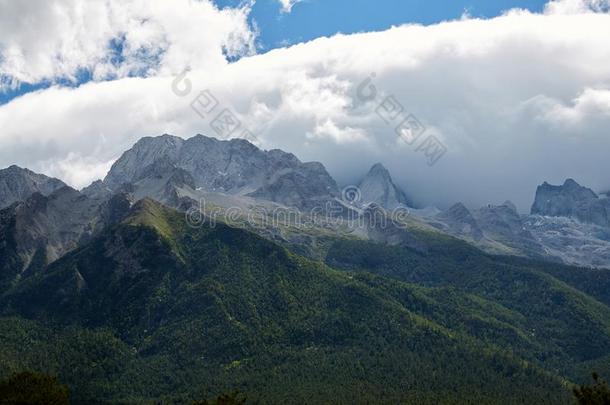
x=568 y=223
x=506 y=130
x=572 y=200
x=223 y=260
x=377 y=187
x=238 y=202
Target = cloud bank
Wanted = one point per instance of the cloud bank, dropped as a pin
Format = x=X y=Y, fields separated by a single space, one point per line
x=47 y=40
x=516 y=100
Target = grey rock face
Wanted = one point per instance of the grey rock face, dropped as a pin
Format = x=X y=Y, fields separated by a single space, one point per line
x=163 y=182
x=17 y=184
x=500 y=219
x=571 y=200
x=572 y=241
x=41 y=229
x=499 y=229
x=145 y=152
x=232 y=167
x=377 y=187
x=381 y=227
x=97 y=191
x=47 y=219
x=502 y=223
x=460 y=222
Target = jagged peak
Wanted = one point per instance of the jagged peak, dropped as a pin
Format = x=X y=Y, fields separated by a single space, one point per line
x=377 y=186
x=164 y=137
x=510 y=205
x=570 y=200
x=17 y=184
x=570 y=186
x=458 y=207
x=162 y=142
x=15 y=169
x=457 y=210
x=570 y=182
x=379 y=169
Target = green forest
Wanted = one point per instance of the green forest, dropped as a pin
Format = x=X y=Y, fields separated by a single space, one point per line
x=153 y=311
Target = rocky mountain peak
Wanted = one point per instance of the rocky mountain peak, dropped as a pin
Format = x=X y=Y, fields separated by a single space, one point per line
x=510 y=205
x=458 y=210
x=97 y=190
x=377 y=187
x=571 y=200
x=17 y=184
x=379 y=170
x=233 y=166
x=572 y=187
x=460 y=221
x=146 y=151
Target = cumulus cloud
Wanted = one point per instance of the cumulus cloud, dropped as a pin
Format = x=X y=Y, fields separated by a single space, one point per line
x=47 y=40
x=288 y=4
x=576 y=6
x=516 y=100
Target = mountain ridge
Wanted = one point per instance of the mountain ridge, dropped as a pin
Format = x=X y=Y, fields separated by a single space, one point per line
x=17 y=184
x=233 y=166
x=229 y=306
x=165 y=293
x=182 y=173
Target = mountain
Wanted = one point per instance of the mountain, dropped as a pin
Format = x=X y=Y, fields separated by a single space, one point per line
x=503 y=224
x=97 y=191
x=377 y=187
x=184 y=173
x=234 y=167
x=535 y=295
x=568 y=224
x=497 y=229
x=571 y=200
x=163 y=181
x=571 y=241
x=460 y=221
x=17 y=184
x=200 y=266
x=41 y=229
x=153 y=308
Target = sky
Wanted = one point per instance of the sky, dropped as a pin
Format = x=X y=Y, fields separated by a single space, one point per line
x=475 y=101
x=310 y=19
x=280 y=23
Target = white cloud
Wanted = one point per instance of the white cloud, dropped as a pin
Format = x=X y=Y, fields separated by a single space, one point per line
x=576 y=6
x=44 y=40
x=590 y=105
x=517 y=100
x=76 y=169
x=288 y=4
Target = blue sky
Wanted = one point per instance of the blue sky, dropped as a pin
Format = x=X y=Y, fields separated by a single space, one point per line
x=310 y=19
